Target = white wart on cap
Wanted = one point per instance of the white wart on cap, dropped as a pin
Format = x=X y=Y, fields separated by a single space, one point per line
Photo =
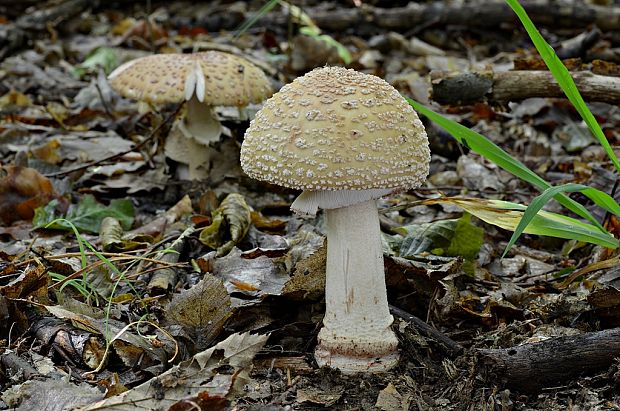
x=337 y=129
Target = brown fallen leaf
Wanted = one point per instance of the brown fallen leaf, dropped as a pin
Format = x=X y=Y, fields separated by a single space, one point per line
x=202 y=310
x=22 y=189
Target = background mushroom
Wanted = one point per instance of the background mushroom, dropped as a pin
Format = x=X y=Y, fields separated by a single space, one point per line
x=345 y=138
x=206 y=79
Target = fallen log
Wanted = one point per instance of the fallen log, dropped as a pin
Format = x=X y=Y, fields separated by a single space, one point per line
x=416 y=16
x=479 y=14
x=531 y=367
x=502 y=87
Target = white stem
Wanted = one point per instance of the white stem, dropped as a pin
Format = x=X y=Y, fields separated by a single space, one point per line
x=356 y=335
x=200 y=122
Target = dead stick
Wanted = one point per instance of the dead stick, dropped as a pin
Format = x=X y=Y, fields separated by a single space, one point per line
x=502 y=87
x=451 y=346
x=531 y=367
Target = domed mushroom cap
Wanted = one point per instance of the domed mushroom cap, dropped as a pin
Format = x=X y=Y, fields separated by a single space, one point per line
x=337 y=129
x=218 y=79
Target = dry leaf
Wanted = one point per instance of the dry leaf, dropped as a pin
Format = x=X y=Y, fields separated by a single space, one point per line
x=22 y=190
x=196 y=377
x=203 y=309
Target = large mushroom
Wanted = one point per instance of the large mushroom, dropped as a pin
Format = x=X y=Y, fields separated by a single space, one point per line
x=204 y=80
x=345 y=138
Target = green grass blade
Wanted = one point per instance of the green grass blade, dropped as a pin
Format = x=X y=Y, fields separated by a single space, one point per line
x=600 y=198
x=248 y=23
x=492 y=152
x=564 y=79
x=508 y=215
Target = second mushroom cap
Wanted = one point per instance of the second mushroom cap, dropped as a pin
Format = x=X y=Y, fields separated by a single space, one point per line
x=217 y=79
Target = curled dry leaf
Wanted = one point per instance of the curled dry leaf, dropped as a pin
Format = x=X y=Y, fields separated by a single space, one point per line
x=166 y=277
x=320 y=396
x=31 y=284
x=113 y=240
x=308 y=280
x=110 y=234
x=81 y=347
x=232 y=220
x=22 y=189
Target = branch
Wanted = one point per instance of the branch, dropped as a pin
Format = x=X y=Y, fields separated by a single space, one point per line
x=531 y=367
x=502 y=87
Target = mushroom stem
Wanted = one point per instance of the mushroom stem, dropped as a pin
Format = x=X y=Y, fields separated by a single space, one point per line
x=356 y=335
x=200 y=122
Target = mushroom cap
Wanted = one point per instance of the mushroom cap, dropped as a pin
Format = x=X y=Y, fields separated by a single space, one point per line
x=217 y=78
x=337 y=129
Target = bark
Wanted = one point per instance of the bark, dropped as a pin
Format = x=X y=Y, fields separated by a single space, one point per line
x=531 y=367
x=502 y=87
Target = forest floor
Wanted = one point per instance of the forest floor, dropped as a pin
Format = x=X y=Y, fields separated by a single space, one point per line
x=158 y=292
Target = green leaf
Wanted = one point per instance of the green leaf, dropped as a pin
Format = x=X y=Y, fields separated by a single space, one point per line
x=600 y=198
x=104 y=57
x=467 y=239
x=564 y=79
x=425 y=237
x=492 y=152
x=507 y=215
x=86 y=216
x=456 y=237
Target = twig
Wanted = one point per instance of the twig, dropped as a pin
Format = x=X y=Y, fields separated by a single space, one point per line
x=452 y=347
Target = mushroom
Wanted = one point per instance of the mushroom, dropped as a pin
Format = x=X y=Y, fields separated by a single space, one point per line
x=345 y=138
x=206 y=79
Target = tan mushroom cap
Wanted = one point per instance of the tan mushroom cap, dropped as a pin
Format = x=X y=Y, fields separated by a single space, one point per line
x=217 y=78
x=337 y=129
